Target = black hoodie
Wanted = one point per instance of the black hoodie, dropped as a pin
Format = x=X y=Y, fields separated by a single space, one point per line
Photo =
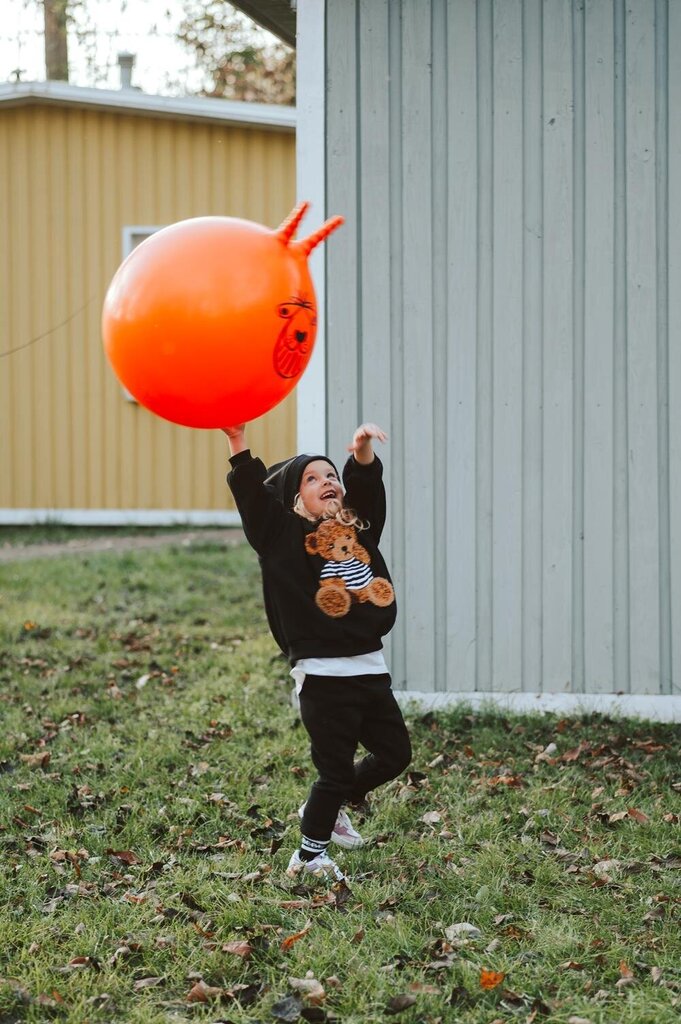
x=326 y=587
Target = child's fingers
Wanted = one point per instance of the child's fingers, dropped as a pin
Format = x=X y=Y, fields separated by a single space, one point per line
x=373 y=430
x=365 y=433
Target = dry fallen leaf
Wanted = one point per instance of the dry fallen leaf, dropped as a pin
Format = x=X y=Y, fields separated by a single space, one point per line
x=602 y=868
x=291 y=940
x=119 y=953
x=238 y=948
x=575 y=753
x=131 y=897
x=341 y=892
x=126 y=856
x=638 y=816
x=36 y=760
x=323 y=898
x=514 y=781
x=426 y=990
x=147 y=983
x=547 y=754
x=490 y=979
x=79 y=963
x=626 y=975
x=399 y=1003
x=310 y=989
x=202 y=993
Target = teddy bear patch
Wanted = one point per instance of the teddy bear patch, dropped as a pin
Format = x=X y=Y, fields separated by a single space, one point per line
x=346 y=575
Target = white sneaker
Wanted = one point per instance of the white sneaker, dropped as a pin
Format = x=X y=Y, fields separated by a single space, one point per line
x=343 y=833
x=320 y=866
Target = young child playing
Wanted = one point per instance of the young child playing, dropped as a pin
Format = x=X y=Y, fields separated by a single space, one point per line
x=329 y=601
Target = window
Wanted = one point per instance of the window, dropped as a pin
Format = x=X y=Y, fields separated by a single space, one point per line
x=132 y=236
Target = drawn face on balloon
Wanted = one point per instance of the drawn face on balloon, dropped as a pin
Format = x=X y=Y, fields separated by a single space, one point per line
x=181 y=304
x=296 y=336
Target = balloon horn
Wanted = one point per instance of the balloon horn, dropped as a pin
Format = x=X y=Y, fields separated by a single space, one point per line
x=309 y=243
x=287 y=230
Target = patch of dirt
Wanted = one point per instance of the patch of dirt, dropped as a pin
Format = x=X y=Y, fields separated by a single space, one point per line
x=135 y=542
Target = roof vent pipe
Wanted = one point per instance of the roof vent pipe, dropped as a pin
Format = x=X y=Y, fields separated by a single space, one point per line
x=125 y=62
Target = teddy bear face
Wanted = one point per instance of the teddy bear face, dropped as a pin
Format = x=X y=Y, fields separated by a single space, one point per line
x=336 y=543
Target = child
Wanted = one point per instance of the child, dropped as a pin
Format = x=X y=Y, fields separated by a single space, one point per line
x=329 y=601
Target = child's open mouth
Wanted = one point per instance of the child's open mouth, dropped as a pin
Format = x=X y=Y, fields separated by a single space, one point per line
x=328 y=494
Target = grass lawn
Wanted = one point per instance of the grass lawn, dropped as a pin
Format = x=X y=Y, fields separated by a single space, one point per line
x=62 y=533
x=151 y=765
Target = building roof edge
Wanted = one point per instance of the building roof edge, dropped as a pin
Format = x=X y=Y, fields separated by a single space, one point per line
x=133 y=101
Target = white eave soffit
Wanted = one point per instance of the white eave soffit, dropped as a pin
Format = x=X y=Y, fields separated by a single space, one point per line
x=277 y=16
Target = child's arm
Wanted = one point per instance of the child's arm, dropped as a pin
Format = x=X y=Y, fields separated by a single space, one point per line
x=237 y=439
x=361 y=446
x=262 y=515
x=363 y=478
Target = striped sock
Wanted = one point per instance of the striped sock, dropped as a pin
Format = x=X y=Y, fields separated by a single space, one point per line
x=311 y=848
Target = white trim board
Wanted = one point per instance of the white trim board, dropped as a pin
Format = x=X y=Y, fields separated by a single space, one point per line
x=311 y=185
x=117 y=517
x=133 y=101
x=659 y=708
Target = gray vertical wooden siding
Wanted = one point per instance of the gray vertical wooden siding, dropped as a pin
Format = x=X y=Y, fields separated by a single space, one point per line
x=505 y=299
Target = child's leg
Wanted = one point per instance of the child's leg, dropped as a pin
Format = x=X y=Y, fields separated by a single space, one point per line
x=384 y=734
x=331 y=711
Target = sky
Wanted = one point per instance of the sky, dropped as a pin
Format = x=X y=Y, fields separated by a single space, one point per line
x=143 y=27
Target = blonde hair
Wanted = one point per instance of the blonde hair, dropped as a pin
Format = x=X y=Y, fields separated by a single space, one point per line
x=334 y=510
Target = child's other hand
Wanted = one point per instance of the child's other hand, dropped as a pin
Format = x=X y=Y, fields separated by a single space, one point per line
x=360 y=445
x=236 y=438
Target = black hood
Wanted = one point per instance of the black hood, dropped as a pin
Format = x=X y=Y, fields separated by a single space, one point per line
x=284 y=477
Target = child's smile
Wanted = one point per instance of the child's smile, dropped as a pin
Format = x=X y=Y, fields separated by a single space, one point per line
x=319 y=486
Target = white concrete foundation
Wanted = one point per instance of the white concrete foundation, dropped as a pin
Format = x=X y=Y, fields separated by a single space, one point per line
x=665 y=708
x=117 y=517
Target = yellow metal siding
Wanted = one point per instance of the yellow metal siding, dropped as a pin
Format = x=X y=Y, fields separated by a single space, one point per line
x=70 y=181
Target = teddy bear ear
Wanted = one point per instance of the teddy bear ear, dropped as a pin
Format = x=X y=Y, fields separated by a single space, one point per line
x=311 y=543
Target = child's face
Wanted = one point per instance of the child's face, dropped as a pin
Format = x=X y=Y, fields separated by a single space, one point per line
x=319 y=486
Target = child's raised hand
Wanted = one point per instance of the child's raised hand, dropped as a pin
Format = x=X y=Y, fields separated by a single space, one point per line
x=236 y=438
x=361 y=447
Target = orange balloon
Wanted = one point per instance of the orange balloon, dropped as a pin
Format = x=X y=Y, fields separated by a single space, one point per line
x=211 y=322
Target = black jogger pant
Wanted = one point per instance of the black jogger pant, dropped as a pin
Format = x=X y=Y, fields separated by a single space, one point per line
x=339 y=713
